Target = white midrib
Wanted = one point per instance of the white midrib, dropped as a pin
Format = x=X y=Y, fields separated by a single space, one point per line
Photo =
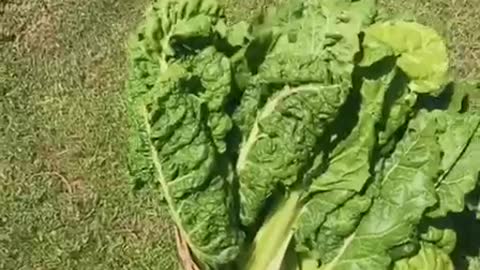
x=459 y=156
x=348 y=241
x=163 y=183
x=267 y=110
x=273 y=239
x=334 y=262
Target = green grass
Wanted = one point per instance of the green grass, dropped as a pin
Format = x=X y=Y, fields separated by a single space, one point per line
x=65 y=200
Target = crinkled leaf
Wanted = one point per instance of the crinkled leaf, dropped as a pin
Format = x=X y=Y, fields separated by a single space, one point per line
x=281 y=141
x=428 y=258
x=153 y=46
x=314 y=41
x=280 y=111
x=174 y=27
x=422 y=53
x=253 y=99
x=443 y=238
x=407 y=189
x=213 y=74
x=193 y=178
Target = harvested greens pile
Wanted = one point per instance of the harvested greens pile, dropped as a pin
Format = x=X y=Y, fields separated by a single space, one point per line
x=319 y=136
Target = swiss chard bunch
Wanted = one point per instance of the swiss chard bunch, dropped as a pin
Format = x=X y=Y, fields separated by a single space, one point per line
x=319 y=137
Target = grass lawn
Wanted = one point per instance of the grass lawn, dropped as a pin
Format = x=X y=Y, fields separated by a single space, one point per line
x=65 y=200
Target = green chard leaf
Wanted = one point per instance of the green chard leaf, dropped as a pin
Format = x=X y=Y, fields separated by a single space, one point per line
x=460 y=144
x=328 y=59
x=312 y=139
x=188 y=167
x=281 y=142
x=349 y=163
x=178 y=92
x=443 y=237
x=334 y=200
x=213 y=73
x=400 y=107
x=407 y=190
x=409 y=43
x=309 y=239
x=170 y=30
x=314 y=41
x=421 y=52
x=429 y=258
